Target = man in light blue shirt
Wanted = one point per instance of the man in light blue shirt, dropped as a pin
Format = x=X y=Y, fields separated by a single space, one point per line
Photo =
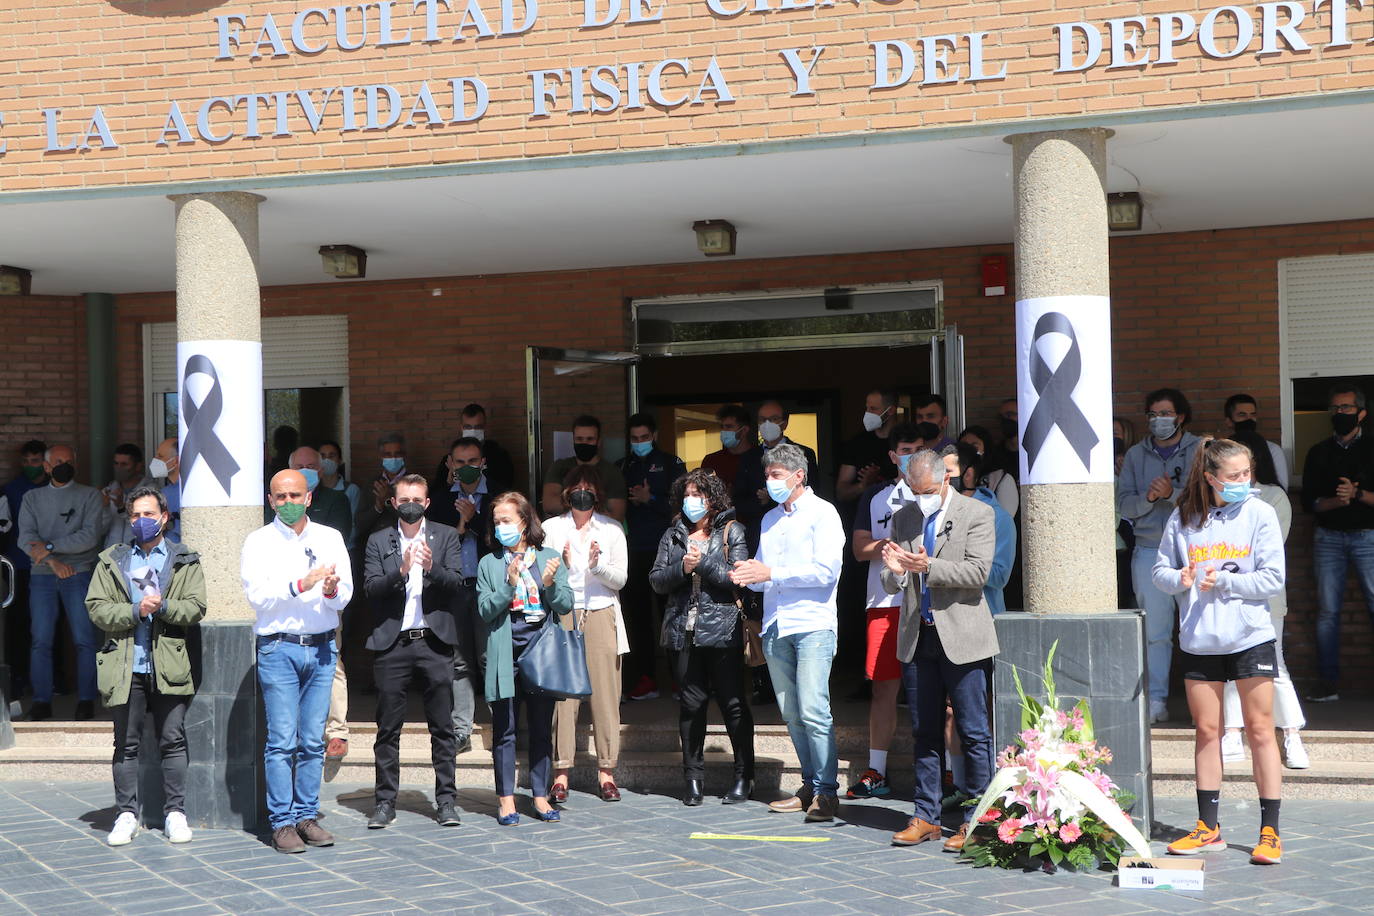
x=797 y=569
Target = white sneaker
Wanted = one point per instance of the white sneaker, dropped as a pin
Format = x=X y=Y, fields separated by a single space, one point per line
x=1232 y=748
x=125 y=829
x=176 y=828
x=1294 y=754
x=1158 y=712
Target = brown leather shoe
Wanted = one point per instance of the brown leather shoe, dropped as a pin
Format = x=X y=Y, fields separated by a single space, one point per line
x=609 y=791
x=823 y=808
x=314 y=834
x=336 y=749
x=794 y=805
x=956 y=842
x=558 y=793
x=917 y=831
x=286 y=839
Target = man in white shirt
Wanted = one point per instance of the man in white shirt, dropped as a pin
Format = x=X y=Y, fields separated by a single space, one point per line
x=412 y=578
x=797 y=568
x=297 y=577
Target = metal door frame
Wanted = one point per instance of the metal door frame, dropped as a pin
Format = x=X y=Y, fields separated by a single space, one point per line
x=534 y=425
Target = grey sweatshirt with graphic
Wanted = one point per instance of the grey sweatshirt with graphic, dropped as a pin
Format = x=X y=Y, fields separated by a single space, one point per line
x=72 y=518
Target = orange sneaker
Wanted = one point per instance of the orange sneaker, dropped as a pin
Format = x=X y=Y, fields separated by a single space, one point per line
x=1269 y=850
x=1202 y=839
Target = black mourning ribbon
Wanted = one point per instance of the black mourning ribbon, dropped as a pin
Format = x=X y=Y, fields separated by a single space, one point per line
x=310 y=555
x=201 y=441
x=1056 y=406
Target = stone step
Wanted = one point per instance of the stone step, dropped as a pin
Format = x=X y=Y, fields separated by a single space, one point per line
x=1324 y=745
x=1338 y=780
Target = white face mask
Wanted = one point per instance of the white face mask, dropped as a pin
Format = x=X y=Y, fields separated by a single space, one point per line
x=873 y=421
x=157 y=468
x=479 y=434
x=930 y=502
x=770 y=431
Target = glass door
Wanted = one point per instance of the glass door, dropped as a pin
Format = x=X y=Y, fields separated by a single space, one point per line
x=947 y=374
x=562 y=385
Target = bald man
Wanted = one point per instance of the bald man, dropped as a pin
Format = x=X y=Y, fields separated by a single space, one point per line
x=297 y=576
x=62 y=527
x=165 y=469
x=327 y=506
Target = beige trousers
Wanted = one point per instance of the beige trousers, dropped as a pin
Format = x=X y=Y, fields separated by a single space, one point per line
x=603 y=663
x=336 y=726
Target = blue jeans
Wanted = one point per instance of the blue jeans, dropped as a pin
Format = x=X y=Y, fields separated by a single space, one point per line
x=1160 y=612
x=1332 y=552
x=44 y=593
x=295 y=682
x=928 y=678
x=799 y=665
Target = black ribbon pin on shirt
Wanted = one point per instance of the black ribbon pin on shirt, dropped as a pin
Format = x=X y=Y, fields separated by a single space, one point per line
x=1054 y=387
x=201 y=440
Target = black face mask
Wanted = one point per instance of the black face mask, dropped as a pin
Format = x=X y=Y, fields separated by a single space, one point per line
x=584 y=451
x=1009 y=429
x=1118 y=445
x=410 y=513
x=63 y=473
x=1247 y=426
x=1342 y=423
x=582 y=500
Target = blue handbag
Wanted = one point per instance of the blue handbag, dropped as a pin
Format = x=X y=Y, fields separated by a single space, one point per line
x=554 y=664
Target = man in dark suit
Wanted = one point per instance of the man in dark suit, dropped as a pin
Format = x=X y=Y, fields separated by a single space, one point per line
x=938 y=557
x=411 y=576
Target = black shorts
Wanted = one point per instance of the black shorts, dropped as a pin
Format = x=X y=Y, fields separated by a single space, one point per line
x=1256 y=661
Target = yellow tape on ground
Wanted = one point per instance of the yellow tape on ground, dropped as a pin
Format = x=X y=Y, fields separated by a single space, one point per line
x=766 y=839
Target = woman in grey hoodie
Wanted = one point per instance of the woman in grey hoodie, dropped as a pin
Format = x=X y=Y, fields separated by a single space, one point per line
x=1221 y=556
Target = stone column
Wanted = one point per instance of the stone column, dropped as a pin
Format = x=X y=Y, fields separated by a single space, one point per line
x=218 y=300
x=1068 y=529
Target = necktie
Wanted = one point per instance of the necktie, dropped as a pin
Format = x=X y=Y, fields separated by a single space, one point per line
x=926 y=615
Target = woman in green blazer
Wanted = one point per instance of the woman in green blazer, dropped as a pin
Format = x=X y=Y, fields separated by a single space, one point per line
x=517 y=589
x=145 y=594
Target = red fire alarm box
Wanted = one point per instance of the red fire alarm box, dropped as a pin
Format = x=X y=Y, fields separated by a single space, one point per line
x=995 y=275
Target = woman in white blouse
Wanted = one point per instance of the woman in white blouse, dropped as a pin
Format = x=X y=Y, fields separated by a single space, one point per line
x=595 y=555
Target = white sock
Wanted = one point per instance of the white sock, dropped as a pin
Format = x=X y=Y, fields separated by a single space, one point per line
x=877 y=760
x=956 y=766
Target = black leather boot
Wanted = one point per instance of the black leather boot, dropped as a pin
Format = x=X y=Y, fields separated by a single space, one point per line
x=740 y=792
x=692 y=796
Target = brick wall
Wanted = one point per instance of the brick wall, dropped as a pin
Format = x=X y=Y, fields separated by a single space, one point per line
x=133 y=59
x=1198 y=310
x=43 y=383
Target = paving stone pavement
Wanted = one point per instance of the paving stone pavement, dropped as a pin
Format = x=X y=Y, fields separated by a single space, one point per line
x=633 y=857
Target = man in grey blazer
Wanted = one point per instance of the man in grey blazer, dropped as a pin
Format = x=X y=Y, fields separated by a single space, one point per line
x=938 y=557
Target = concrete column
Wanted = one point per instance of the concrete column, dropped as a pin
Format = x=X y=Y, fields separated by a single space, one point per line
x=218 y=298
x=1069 y=540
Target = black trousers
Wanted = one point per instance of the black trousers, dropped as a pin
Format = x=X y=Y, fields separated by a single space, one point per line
x=469 y=661
x=700 y=672
x=638 y=603
x=169 y=721
x=430 y=662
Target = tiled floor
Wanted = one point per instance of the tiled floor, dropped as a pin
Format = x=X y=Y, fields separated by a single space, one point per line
x=632 y=857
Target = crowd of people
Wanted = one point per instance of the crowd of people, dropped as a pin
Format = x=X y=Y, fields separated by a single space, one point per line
x=733 y=570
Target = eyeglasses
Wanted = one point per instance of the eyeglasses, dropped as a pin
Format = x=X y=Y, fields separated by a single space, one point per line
x=1161 y=415
x=1345 y=408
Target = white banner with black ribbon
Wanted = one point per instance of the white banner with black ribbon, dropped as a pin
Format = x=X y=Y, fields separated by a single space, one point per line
x=221 y=431
x=1064 y=389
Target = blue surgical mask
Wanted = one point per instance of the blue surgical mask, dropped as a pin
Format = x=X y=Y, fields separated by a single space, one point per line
x=693 y=507
x=393 y=465
x=729 y=438
x=312 y=477
x=902 y=462
x=642 y=449
x=1235 y=492
x=508 y=535
x=145 y=529
x=779 y=490
x=328 y=467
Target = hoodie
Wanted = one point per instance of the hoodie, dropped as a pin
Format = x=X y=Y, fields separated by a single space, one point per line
x=1142 y=464
x=1244 y=542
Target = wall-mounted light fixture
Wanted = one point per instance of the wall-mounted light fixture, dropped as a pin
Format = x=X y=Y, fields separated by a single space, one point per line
x=1123 y=211
x=715 y=237
x=15 y=281
x=344 y=262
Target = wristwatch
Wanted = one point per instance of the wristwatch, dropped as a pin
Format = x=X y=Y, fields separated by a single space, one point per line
x=48 y=547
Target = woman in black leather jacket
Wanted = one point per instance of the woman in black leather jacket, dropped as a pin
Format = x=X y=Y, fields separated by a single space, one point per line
x=703 y=627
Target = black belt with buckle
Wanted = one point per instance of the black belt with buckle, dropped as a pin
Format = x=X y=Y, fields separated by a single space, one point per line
x=303 y=639
x=412 y=635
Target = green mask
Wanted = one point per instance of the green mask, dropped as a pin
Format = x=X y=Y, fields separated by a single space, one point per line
x=290 y=513
x=469 y=474
x=33 y=471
